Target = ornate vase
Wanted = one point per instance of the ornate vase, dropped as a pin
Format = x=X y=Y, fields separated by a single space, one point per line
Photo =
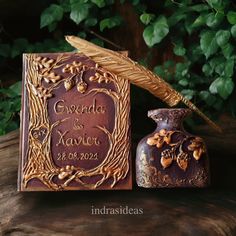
x=170 y=156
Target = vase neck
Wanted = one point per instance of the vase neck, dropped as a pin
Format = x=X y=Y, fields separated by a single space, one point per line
x=169 y=126
x=170 y=119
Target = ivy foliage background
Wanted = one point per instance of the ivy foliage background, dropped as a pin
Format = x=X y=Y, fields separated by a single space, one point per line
x=197 y=39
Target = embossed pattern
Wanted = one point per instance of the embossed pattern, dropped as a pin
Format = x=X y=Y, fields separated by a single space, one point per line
x=149 y=176
x=176 y=153
x=170 y=156
x=41 y=80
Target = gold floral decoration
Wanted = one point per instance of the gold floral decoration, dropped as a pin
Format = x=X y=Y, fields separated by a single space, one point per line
x=175 y=152
x=74 y=68
x=66 y=172
x=159 y=138
x=101 y=75
x=198 y=147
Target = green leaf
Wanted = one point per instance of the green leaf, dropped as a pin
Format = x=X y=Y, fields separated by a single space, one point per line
x=229 y=68
x=79 y=12
x=222 y=37
x=110 y=22
x=215 y=84
x=65 y=4
x=219 y=69
x=169 y=64
x=207 y=97
x=52 y=26
x=51 y=14
x=175 y=18
x=225 y=69
x=223 y=86
x=181 y=70
x=183 y=82
x=199 y=7
x=99 y=3
x=91 y=22
x=227 y=50
x=7 y=92
x=143 y=62
x=5 y=50
x=7 y=116
x=155 y=32
x=195 y=52
x=215 y=61
x=226 y=88
x=16 y=104
x=233 y=31
x=188 y=23
x=179 y=50
x=207 y=69
x=208 y=43
x=16 y=87
x=188 y=93
x=231 y=17
x=199 y=21
x=159 y=71
x=218 y=5
x=146 y=18
x=214 y=19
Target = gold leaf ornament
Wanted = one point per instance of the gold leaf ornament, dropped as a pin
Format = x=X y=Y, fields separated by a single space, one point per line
x=166 y=162
x=198 y=147
x=160 y=138
x=100 y=78
x=167 y=157
x=182 y=160
x=74 y=68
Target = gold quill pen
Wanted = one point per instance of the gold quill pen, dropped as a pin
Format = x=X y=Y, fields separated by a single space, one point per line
x=126 y=68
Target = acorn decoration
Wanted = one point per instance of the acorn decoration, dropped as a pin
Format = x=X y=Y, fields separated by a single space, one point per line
x=68 y=84
x=82 y=87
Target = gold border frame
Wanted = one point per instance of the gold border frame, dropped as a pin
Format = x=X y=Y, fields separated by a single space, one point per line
x=39 y=163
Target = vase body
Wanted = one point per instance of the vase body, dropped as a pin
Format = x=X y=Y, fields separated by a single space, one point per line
x=170 y=156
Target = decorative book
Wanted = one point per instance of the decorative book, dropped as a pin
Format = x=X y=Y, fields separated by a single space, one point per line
x=75 y=125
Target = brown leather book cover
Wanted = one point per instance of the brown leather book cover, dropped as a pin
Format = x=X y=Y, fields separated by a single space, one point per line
x=75 y=125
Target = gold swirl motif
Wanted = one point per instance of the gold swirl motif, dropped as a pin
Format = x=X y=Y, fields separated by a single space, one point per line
x=39 y=163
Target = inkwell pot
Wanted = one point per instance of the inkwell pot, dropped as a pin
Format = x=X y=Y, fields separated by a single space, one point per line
x=170 y=156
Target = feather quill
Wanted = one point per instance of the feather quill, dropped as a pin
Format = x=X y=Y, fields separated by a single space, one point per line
x=126 y=68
